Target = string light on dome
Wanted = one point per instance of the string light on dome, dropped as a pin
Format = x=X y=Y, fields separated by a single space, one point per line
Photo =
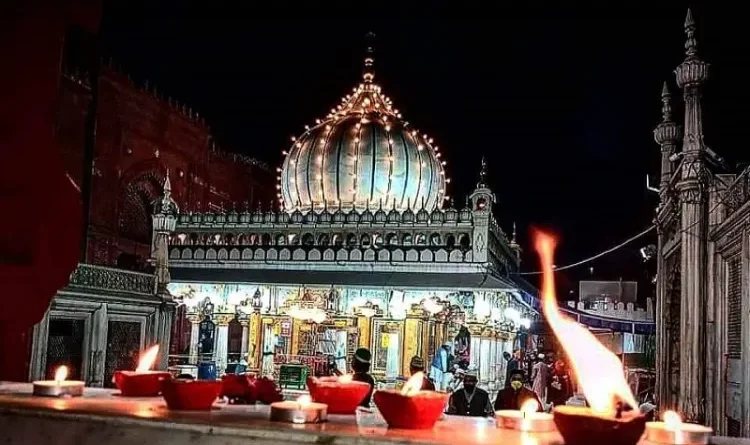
x=307 y=128
x=294 y=138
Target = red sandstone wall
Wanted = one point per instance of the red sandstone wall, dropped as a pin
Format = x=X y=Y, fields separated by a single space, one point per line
x=139 y=137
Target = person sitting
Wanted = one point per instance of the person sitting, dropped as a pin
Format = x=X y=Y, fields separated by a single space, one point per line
x=417 y=365
x=361 y=368
x=470 y=400
x=513 y=396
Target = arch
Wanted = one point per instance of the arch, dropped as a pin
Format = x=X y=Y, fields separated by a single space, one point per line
x=199 y=254
x=365 y=240
x=469 y=257
x=241 y=239
x=420 y=239
x=377 y=240
x=425 y=256
x=187 y=254
x=369 y=255
x=308 y=240
x=272 y=254
x=464 y=241
x=293 y=239
x=412 y=255
x=266 y=239
x=299 y=255
x=314 y=255
x=397 y=255
x=234 y=254
x=338 y=240
x=435 y=239
x=260 y=254
x=223 y=254
x=450 y=241
x=351 y=239
x=211 y=254
x=285 y=254
x=324 y=240
x=355 y=255
x=456 y=256
x=391 y=239
x=342 y=255
x=247 y=253
x=254 y=240
x=229 y=239
x=193 y=239
x=329 y=255
x=174 y=254
x=441 y=256
x=142 y=186
x=384 y=255
x=280 y=239
x=406 y=239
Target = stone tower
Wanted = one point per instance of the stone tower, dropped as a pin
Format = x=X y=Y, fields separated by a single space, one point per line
x=482 y=200
x=691 y=74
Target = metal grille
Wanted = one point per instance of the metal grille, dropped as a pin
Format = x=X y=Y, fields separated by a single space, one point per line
x=123 y=345
x=734 y=428
x=65 y=347
x=734 y=308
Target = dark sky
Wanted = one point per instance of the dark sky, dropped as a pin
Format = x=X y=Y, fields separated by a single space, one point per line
x=562 y=102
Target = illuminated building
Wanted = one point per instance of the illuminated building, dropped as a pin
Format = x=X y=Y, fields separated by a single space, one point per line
x=365 y=250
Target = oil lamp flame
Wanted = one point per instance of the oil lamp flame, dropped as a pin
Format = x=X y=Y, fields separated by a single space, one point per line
x=346 y=378
x=147 y=359
x=672 y=420
x=304 y=400
x=529 y=407
x=61 y=374
x=413 y=385
x=599 y=371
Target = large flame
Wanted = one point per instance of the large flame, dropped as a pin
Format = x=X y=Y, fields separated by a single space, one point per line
x=147 y=359
x=413 y=385
x=61 y=374
x=599 y=371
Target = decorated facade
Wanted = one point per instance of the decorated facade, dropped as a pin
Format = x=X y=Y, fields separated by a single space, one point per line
x=702 y=287
x=363 y=249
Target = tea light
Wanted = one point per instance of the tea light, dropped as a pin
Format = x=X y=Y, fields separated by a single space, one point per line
x=59 y=387
x=526 y=419
x=142 y=382
x=304 y=410
x=673 y=431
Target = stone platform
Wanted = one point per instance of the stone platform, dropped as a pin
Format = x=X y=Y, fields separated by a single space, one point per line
x=102 y=417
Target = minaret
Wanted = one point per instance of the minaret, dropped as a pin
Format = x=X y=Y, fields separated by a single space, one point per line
x=164 y=222
x=667 y=134
x=482 y=200
x=691 y=74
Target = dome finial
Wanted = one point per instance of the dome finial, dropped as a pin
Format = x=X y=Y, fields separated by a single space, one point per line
x=666 y=104
x=691 y=44
x=368 y=74
x=483 y=174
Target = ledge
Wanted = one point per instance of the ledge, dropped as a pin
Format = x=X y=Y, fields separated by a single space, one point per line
x=100 y=416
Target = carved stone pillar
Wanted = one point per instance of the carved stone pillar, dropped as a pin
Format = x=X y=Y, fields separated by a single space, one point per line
x=222 y=340
x=243 y=347
x=253 y=341
x=195 y=320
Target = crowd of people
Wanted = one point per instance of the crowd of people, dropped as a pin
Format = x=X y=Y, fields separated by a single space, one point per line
x=549 y=384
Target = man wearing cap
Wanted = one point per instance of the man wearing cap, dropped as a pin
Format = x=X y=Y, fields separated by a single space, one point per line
x=361 y=368
x=441 y=364
x=417 y=365
x=513 y=396
x=470 y=400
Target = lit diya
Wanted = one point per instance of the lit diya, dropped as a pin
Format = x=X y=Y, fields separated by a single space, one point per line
x=58 y=387
x=189 y=394
x=599 y=371
x=411 y=408
x=303 y=410
x=142 y=382
x=526 y=419
x=341 y=394
x=673 y=431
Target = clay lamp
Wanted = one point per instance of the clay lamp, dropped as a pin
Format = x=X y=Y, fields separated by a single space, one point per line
x=673 y=431
x=341 y=394
x=189 y=394
x=411 y=408
x=600 y=374
x=59 y=387
x=142 y=382
x=526 y=419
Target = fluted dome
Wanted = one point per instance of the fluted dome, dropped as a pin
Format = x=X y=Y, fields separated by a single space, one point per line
x=361 y=155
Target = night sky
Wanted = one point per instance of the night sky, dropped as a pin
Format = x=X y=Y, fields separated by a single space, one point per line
x=562 y=102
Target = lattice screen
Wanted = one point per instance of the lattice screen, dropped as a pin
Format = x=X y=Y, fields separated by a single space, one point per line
x=123 y=346
x=65 y=347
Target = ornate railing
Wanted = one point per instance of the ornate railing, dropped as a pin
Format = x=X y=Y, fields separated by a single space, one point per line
x=107 y=278
x=738 y=192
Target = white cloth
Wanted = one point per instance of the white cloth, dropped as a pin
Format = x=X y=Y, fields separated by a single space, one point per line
x=539 y=380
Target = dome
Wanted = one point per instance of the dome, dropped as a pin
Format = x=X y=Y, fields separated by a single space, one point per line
x=362 y=154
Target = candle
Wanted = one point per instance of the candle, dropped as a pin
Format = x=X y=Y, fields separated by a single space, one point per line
x=304 y=410
x=526 y=419
x=59 y=387
x=142 y=382
x=673 y=431
x=341 y=394
x=190 y=395
x=411 y=408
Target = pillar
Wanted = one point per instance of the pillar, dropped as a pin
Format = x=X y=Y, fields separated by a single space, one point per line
x=364 y=327
x=222 y=340
x=195 y=320
x=411 y=342
x=245 y=336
